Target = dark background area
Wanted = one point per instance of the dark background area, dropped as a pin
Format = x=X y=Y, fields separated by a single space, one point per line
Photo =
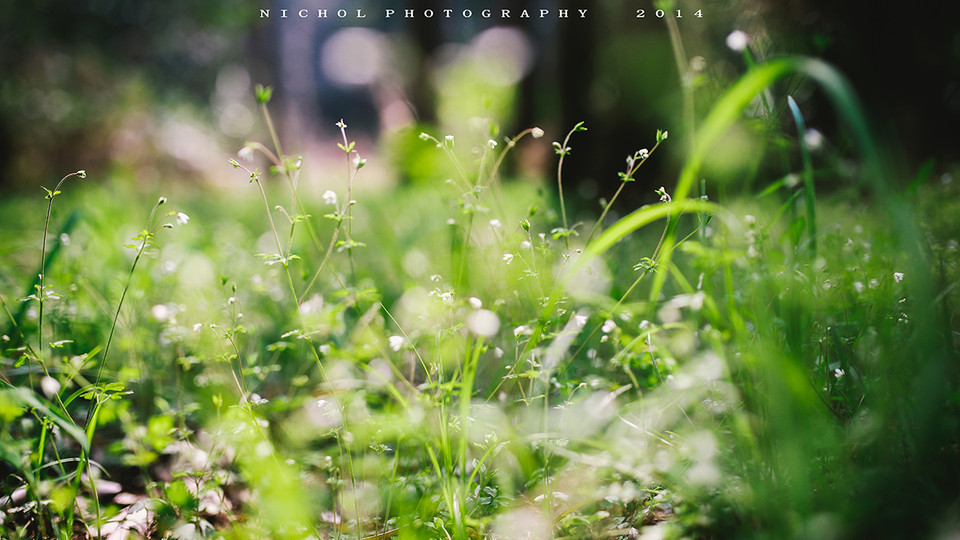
x=84 y=82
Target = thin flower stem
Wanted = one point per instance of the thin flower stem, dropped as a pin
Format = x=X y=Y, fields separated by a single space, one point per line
x=633 y=170
x=144 y=238
x=43 y=255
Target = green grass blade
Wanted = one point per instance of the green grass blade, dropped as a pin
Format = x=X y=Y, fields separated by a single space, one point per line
x=809 y=193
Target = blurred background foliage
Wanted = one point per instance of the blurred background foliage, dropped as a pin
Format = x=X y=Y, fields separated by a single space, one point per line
x=112 y=83
x=162 y=89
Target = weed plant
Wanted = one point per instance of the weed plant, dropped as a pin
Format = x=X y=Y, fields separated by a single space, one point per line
x=464 y=361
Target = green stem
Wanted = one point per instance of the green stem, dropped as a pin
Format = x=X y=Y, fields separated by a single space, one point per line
x=43 y=255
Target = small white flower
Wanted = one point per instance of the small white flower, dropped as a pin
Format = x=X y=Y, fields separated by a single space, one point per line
x=580 y=320
x=162 y=200
x=508 y=258
x=608 y=326
x=738 y=40
x=643 y=153
x=246 y=153
x=492 y=144
x=898 y=276
x=50 y=386
x=424 y=136
x=522 y=330
x=396 y=342
x=449 y=140
x=536 y=132
x=813 y=139
x=525 y=245
x=436 y=278
x=665 y=135
x=197 y=327
x=182 y=218
x=329 y=197
x=483 y=322
x=160 y=312
x=257 y=400
x=475 y=302
x=838 y=373
x=495 y=224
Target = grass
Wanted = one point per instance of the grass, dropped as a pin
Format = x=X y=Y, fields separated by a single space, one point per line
x=460 y=362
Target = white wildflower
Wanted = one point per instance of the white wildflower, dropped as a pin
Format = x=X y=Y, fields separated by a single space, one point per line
x=508 y=258
x=50 y=386
x=396 y=342
x=483 y=322
x=608 y=326
x=160 y=312
x=536 y=132
x=898 y=276
x=246 y=153
x=475 y=302
x=329 y=197
x=738 y=40
x=813 y=139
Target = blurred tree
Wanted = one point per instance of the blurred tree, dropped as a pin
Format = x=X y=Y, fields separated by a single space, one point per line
x=73 y=70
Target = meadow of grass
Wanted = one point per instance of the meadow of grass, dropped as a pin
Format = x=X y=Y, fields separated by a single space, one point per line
x=473 y=357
